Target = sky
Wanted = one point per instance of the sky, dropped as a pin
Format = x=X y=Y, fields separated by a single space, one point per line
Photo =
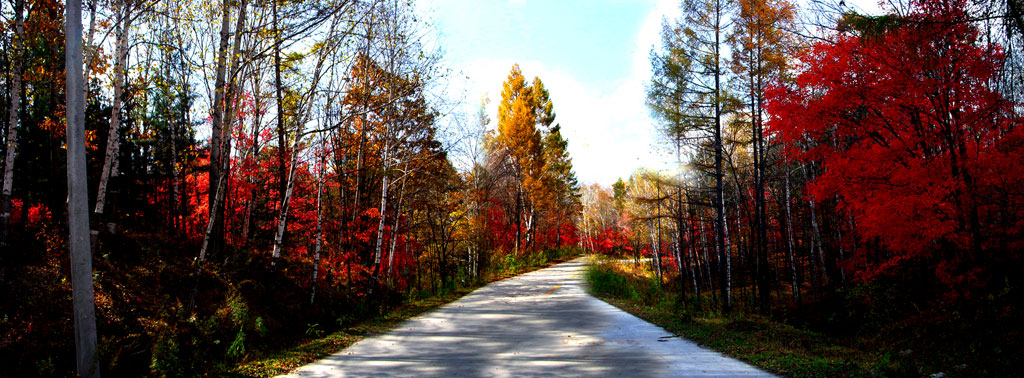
x=593 y=57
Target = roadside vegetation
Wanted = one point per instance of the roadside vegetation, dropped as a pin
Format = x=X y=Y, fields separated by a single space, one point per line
x=783 y=343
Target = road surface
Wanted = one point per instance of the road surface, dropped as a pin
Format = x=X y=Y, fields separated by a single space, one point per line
x=538 y=324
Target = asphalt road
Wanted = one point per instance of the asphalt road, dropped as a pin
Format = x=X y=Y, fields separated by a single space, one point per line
x=538 y=324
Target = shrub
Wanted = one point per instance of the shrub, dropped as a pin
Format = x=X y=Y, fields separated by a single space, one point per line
x=603 y=279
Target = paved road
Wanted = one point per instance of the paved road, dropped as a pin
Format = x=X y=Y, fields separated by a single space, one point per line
x=538 y=324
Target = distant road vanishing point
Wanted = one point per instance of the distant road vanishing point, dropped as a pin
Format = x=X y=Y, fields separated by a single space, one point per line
x=541 y=323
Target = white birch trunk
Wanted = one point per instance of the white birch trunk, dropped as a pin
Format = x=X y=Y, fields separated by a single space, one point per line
x=12 y=124
x=218 y=196
x=383 y=208
x=394 y=228
x=319 y=235
x=727 y=254
x=789 y=236
x=282 y=217
x=816 y=233
x=655 y=253
x=113 y=145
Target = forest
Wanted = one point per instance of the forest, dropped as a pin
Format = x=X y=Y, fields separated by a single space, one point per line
x=855 y=175
x=257 y=172
x=251 y=175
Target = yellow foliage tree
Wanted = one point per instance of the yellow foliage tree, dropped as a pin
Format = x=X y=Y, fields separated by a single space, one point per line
x=519 y=144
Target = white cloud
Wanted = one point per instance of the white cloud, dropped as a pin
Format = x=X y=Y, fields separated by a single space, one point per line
x=608 y=130
x=608 y=125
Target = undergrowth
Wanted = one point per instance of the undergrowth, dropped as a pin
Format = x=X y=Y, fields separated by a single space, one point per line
x=769 y=344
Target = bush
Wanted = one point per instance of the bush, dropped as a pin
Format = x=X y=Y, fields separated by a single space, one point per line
x=603 y=279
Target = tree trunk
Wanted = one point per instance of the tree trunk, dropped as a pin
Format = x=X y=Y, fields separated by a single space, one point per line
x=842 y=273
x=531 y=227
x=383 y=209
x=708 y=277
x=655 y=253
x=691 y=254
x=173 y=133
x=220 y=146
x=12 y=122
x=88 y=45
x=519 y=218
x=762 y=216
x=252 y=151
x=83 y=300
x=230 y=99
x=816 y=233
x=113 y=140
x=282 y=219
x=721 y=233
x=282 y=216
x=218 y=189
x=394 y=228
x=789 y=241
x=319 y=233
x=691 y=259
x=281 y=135
x=214 y=237
x=677 y=254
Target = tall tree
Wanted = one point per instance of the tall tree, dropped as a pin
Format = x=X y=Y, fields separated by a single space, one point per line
x=78 y=200
x=667 y=98
x=519 y=143
x=760 y=46
x=559 y=178
x=687 y=92
x=322 y=52
x=11 y=142
x=123 y=17
x=214 y=239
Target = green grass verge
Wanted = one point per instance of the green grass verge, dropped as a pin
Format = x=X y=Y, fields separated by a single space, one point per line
x=770 y=345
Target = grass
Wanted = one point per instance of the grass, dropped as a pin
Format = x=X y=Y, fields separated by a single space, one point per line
x=285 y=360
x=770 y=345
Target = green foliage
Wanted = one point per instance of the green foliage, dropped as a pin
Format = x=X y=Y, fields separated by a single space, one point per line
x=619 y=193
x=237 y=348
x=603 y=280
x=165 y=361
x=261 y=329
x=313 y=330
x=510 y=264
x=238 y=309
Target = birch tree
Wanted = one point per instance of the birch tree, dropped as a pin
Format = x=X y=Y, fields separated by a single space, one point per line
x=11 y=142
x=124 y=17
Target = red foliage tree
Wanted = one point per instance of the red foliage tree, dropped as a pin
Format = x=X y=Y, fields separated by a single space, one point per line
x=914 y=141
